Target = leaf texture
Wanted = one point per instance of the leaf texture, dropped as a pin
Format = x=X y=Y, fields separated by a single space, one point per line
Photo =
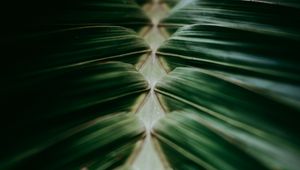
x=70 y=83
x=54 y=115
x=257 y=60
x=232 y=92
x=36 y=15
x=275 y=17
x=215 y=124
x=63 y=49
x=90 y=145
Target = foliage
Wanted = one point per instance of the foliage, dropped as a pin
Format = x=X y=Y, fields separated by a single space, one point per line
x=71 y=84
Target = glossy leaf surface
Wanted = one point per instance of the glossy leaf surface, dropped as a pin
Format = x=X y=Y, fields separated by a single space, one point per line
x=90 y=145
x=61 y=49
x=258 y=60
x=50 y=112
x=220 y=125
x=276 y=17
x=67 y=105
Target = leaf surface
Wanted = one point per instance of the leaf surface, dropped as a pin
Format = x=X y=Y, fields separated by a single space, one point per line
x=215 y=124
x=55 y=115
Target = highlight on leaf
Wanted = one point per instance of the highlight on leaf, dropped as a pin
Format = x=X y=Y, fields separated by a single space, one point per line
x=150 y=84
x=250 y=58
x=217 y=124
x=61 y=119
x=272 y=16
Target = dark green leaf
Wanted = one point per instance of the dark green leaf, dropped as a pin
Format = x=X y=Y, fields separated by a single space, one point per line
x=45 y=110
x=61 y=49
x=260 y=61
x=103 y=143
x=219 y=125
x=35 y=15
x=273 y=16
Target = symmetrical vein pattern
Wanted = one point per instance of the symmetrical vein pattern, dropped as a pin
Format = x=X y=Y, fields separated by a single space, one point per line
x=82 y=89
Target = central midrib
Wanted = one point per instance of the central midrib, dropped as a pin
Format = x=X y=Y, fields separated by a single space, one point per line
x=151 y=111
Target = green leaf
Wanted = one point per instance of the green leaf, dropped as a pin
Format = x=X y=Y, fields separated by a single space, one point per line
x=67 y=105
x=72 y=85
x=142 y=2
x=238 y=109
x=220 y=125
x=257 y=60
x=190 y=145
x=170 y=3
x=49 y=113
x=276 y=17
x=36 y=15
x=91 y=145
x=66 y=48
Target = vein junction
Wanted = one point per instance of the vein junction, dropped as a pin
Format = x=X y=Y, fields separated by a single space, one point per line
x=151 y=111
